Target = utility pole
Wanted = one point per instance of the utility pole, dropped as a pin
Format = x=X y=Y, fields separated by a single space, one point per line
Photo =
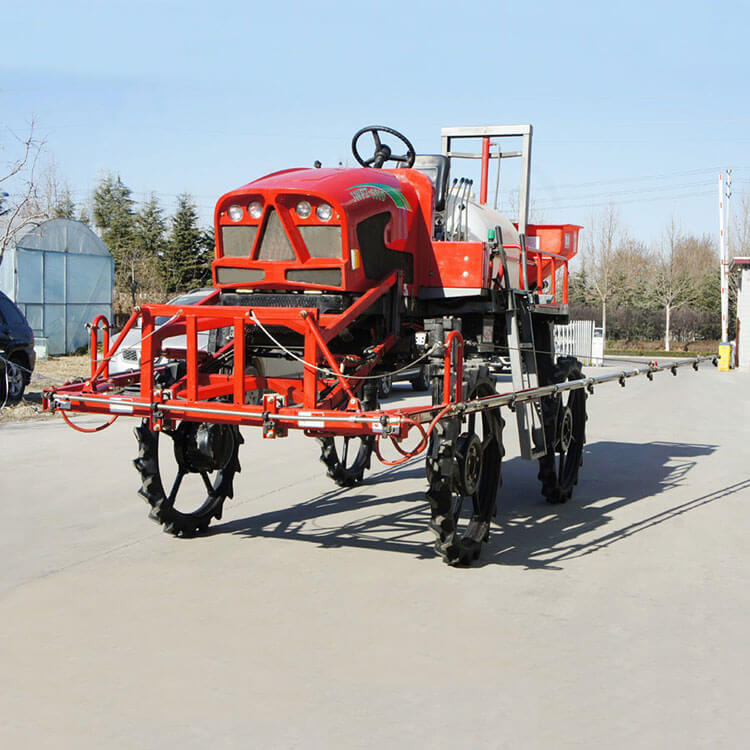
x=725 y=192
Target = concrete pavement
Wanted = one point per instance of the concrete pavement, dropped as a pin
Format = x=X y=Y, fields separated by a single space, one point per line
x=313 y=617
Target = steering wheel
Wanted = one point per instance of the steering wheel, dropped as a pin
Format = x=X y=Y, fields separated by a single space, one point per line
x=382 y=150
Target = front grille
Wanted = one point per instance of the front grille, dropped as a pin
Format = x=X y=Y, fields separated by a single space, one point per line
x=131 y=355
x=327 y=303
x=239 y=275
x=274 y=244
x=237 y=242
x=322 y=241
x=319 y=276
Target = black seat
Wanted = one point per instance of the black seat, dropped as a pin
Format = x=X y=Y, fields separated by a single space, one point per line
x=436 y=168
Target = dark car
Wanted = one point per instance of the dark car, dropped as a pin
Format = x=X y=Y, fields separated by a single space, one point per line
x=418 y=376
x=17 y=355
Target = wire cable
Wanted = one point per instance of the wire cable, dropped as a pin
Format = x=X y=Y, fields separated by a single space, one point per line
x=330 y=373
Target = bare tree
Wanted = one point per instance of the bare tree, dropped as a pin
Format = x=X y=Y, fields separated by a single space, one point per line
x=739 y=234
x=600 y=258
x=739 y=246
x=55 y=199
x=19 y=182
x=632 y=268
x=673 y=284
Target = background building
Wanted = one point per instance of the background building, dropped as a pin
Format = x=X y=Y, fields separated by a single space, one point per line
x=743 y=312
x=60 y=274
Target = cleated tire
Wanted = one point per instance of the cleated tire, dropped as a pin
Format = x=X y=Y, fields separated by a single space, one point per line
x=459 y=540
x=163 y=511
x=422 y=381
x=343 y=472
x=564 y=417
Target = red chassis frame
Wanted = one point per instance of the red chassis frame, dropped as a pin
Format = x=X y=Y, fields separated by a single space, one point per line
x=190 y=398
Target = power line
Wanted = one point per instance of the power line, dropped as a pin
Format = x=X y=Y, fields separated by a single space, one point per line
x=644 y=178
x=648 y=199
x=636 y=191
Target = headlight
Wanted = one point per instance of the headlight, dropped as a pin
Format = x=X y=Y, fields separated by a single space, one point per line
x=235 y=212
x=324 y=212
x=255 y=209
x=303 y=209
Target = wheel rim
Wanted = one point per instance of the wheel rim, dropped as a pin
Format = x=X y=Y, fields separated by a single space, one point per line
x=347 y=458
x=385 y=385
x=14 y=377
x=187 y=479
x=191 y=464
x=566 y=430
x=570 y=450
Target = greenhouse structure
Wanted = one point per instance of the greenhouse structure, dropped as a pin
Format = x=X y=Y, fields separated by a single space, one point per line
x=61 y=275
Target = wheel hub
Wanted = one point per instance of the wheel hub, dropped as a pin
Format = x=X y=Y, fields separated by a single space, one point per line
x=203 y=447
x=469 y=456
x=566 y=430
x=14 y=378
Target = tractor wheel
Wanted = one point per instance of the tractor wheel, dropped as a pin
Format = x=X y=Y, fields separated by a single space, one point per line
x=464 y=475
x=564 y=418
x=206 y=455
x=346 y=462
x=385 y=386
x=422 y=381
x=346 y=465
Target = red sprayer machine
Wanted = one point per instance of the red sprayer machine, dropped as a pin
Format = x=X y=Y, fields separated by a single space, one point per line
x=325 y=282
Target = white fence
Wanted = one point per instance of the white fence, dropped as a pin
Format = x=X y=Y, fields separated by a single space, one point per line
x=575 y=340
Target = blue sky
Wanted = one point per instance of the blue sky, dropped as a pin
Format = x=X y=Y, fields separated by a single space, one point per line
x=636 y=103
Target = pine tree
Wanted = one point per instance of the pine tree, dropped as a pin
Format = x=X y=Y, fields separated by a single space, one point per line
x=114 y=216
x=135 y=241
x=151 y=228
x=64 y=207
x=578 y=287
x=207 y=254
x=182 y=261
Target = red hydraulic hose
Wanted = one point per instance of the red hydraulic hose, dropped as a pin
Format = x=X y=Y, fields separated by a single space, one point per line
x=87 y=429
x=419 y=447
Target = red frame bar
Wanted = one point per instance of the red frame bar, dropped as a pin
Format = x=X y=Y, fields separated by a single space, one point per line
x=107 y=356
x=95 y=345
x=315 y=331
x=552 y=259
x=458 y=395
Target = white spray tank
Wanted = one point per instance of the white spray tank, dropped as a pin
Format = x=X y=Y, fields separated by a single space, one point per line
x=468 y=221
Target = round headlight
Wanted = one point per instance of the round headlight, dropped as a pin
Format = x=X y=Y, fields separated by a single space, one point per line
x=303 y=209
x=324 y=212
x=255 y=209
x=235 y=212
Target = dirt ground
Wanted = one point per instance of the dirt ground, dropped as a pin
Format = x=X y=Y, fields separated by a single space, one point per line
x=692 y=348
x=49 y=372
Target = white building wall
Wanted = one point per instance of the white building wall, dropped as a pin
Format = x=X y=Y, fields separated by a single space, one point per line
x=743 y=316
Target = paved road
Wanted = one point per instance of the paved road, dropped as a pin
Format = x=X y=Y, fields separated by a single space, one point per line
x=317 y=618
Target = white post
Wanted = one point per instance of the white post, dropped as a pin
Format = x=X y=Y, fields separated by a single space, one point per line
x=723 y=262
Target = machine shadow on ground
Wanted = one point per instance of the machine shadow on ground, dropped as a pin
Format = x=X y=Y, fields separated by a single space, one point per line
x=528 y=531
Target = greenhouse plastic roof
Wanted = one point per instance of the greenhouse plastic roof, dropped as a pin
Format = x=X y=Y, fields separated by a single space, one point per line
x=63 y=235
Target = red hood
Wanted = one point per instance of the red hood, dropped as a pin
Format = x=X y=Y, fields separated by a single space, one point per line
x=334 y=184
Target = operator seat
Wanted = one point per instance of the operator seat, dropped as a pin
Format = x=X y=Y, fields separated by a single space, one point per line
x=436 y=168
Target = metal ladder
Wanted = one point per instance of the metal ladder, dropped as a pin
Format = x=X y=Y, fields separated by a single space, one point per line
x=519 y=329
x=522 y=354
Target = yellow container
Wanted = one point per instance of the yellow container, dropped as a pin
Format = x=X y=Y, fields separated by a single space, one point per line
x=725 y=354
